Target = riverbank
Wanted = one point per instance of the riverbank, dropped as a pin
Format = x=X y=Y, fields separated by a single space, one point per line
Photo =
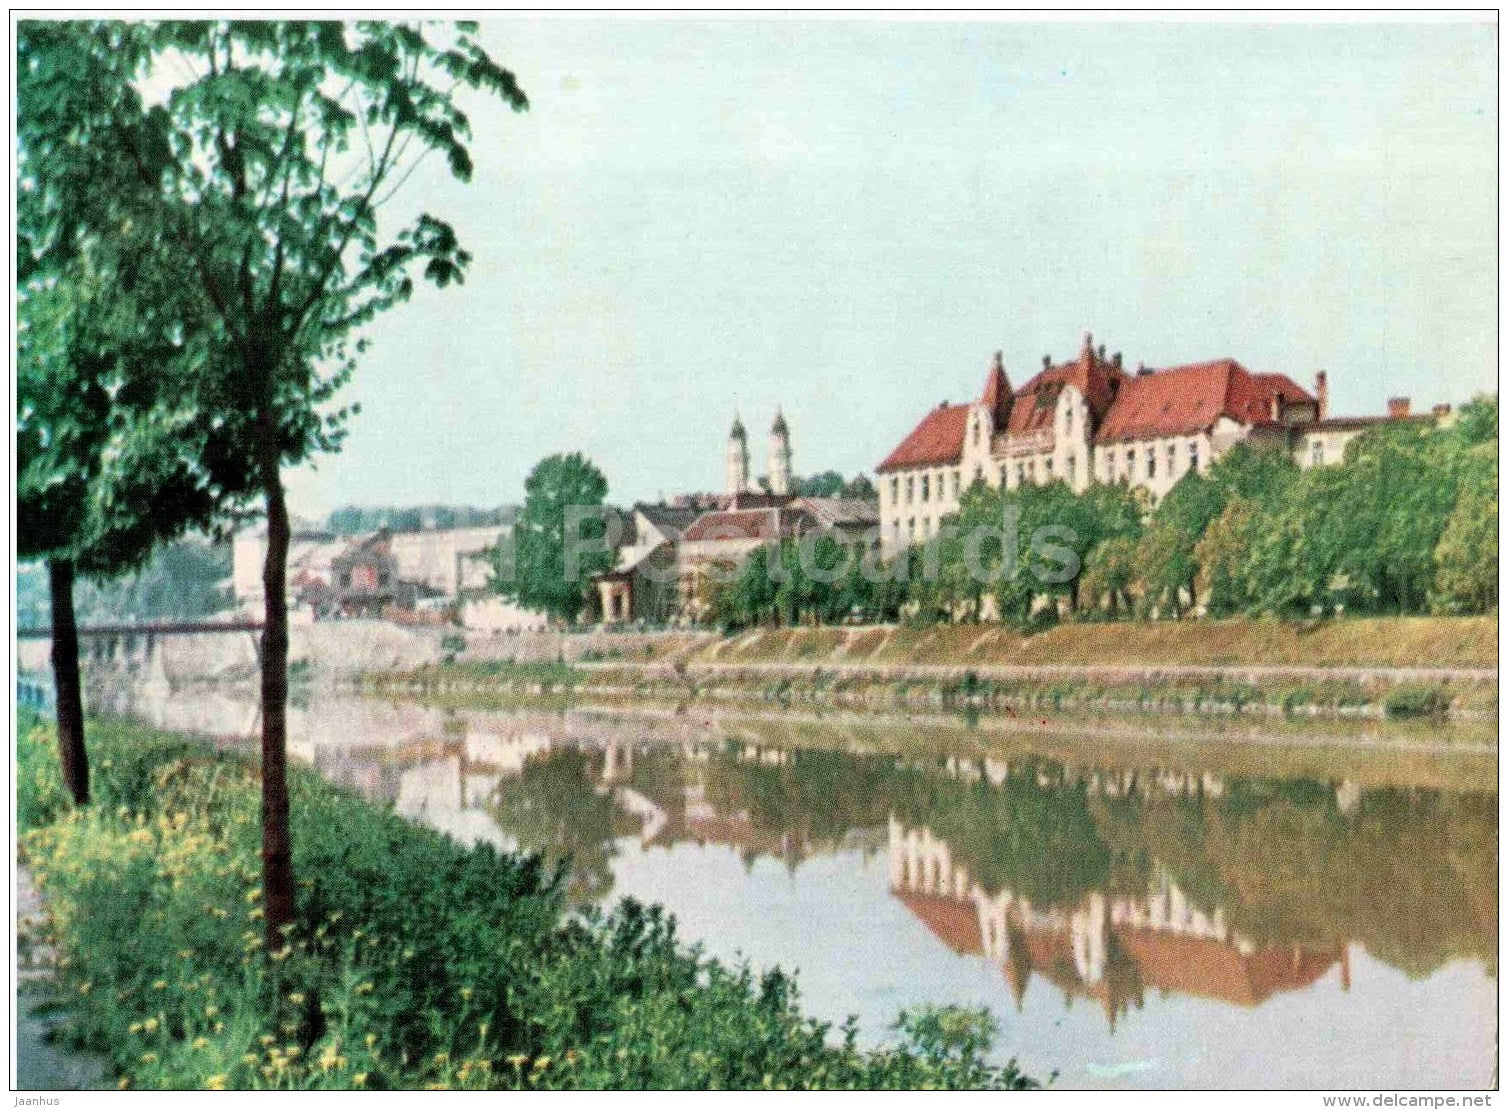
x=414 y=963
x=1011 y=691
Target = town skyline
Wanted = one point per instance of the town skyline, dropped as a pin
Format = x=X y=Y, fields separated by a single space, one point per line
x=671 y=233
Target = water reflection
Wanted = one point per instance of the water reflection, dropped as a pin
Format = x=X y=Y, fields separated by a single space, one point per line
x=1173 y=896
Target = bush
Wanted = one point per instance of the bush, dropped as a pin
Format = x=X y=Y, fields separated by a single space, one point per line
x=413 y=962
x=1417 y=701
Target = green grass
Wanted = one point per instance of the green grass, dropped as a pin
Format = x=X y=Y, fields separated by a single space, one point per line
x=413 y=963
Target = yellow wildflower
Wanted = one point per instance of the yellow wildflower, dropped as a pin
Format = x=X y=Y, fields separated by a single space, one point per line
x=160 y=985
x=297 y=997
x=215 y=1083
x=150 y=1025
x=85 y=988
x=149 y=1057
x=125 y=1081
x=135 y=1027
x=364 y=988
x=201 y=1042
x=359 y=1079
x=253 y=894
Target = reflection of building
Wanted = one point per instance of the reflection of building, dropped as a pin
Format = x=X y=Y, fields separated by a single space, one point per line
x=1108 y=947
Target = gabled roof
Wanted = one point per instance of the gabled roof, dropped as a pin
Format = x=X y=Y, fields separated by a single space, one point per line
x=954 y=922
x=841 y=512
x=747 y=524
x=676 y=518
x=1182 y=400
x=936 y=441
x=1095 y=378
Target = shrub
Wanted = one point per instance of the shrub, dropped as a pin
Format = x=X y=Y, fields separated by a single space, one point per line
x=413 y=961
x=1417 y=701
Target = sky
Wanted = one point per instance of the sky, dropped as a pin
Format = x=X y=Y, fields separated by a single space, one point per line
x=847 y=219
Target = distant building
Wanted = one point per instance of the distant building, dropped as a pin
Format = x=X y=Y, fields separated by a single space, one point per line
x=663 y=566
x=1091 y=420
x=375 y=573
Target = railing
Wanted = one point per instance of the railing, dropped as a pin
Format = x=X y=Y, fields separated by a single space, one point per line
x=33 y=692
x=151 y=628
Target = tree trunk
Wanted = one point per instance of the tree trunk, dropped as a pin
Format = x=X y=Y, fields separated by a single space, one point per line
x=277 y=844
x=65 y=676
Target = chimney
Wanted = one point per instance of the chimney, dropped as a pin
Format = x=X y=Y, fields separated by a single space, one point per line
x=1116 y=359
x=1047 y=362
x=999 y=361
x=1101 y=352
x=1322 y=394
x=1398 y=408
x=1142 y=369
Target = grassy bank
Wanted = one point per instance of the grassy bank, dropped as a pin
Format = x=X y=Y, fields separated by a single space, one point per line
x=414 y=962
x=904 y=687
x=1360 y=642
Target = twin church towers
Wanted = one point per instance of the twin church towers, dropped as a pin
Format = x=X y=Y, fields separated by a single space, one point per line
x=779 y=479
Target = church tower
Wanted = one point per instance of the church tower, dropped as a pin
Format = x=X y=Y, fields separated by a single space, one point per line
x=738 y=458
x=780 y=455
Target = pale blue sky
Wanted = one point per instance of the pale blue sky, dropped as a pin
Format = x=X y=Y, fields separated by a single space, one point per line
x=849 y=218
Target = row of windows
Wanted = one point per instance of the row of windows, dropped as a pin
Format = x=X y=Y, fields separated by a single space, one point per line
x=926 y=487
x=1147 y=461
x=1138 y=462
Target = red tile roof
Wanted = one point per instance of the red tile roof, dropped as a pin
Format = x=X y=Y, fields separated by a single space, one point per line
x=1186 y=399
x=997 y=398
x=955 y=923
x=747 y=524
x=936 y=441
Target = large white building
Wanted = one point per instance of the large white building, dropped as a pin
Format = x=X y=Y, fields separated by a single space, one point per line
x=1091 y=420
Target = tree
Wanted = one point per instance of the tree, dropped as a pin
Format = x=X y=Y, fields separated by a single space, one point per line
x=1466 y=558
x=109 y=456
x=829 y=483
x=1221 y=556
x=860 y=488
x=557 y=548
x=1111 y=572
x=263 y=172
x=1164 y=559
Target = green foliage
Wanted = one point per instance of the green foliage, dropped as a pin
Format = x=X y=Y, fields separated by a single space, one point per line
x=40 y=796
x=413 y=962
x=835 y=581
x=1466 y=558
x=1417 y=701
x=350 y=520
x=560 y=540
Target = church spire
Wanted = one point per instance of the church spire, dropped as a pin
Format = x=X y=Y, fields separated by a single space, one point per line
x=737 y=457
x=780 y=455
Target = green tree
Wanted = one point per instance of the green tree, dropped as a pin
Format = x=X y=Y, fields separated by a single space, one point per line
x=1111 y=573
x=1164 y=559
x=560 y=540
x=1466 y=558
x=260 y=173
x=110 y=456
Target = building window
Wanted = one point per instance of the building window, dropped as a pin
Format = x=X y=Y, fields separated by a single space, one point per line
x=926 y=488
x=1172 y=459
x=910 y=489
x=957 y=478
x=1020 y=474
x=1047 y=463
x=911 y=527
x=1072 y=466
x=1193 y=454
x=978 y=473
x=1068 y=419
x=1317 y=453
x=1151 y=462
x=895 y=490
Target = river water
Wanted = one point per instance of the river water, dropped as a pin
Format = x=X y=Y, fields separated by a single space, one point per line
x=1139 y=904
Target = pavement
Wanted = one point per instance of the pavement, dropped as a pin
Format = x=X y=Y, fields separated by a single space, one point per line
x=41 y=1063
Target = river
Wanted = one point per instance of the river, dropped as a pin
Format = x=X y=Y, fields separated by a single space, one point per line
x=1139 y=904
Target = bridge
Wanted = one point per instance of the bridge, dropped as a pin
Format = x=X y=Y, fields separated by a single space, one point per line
x=149 y=628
